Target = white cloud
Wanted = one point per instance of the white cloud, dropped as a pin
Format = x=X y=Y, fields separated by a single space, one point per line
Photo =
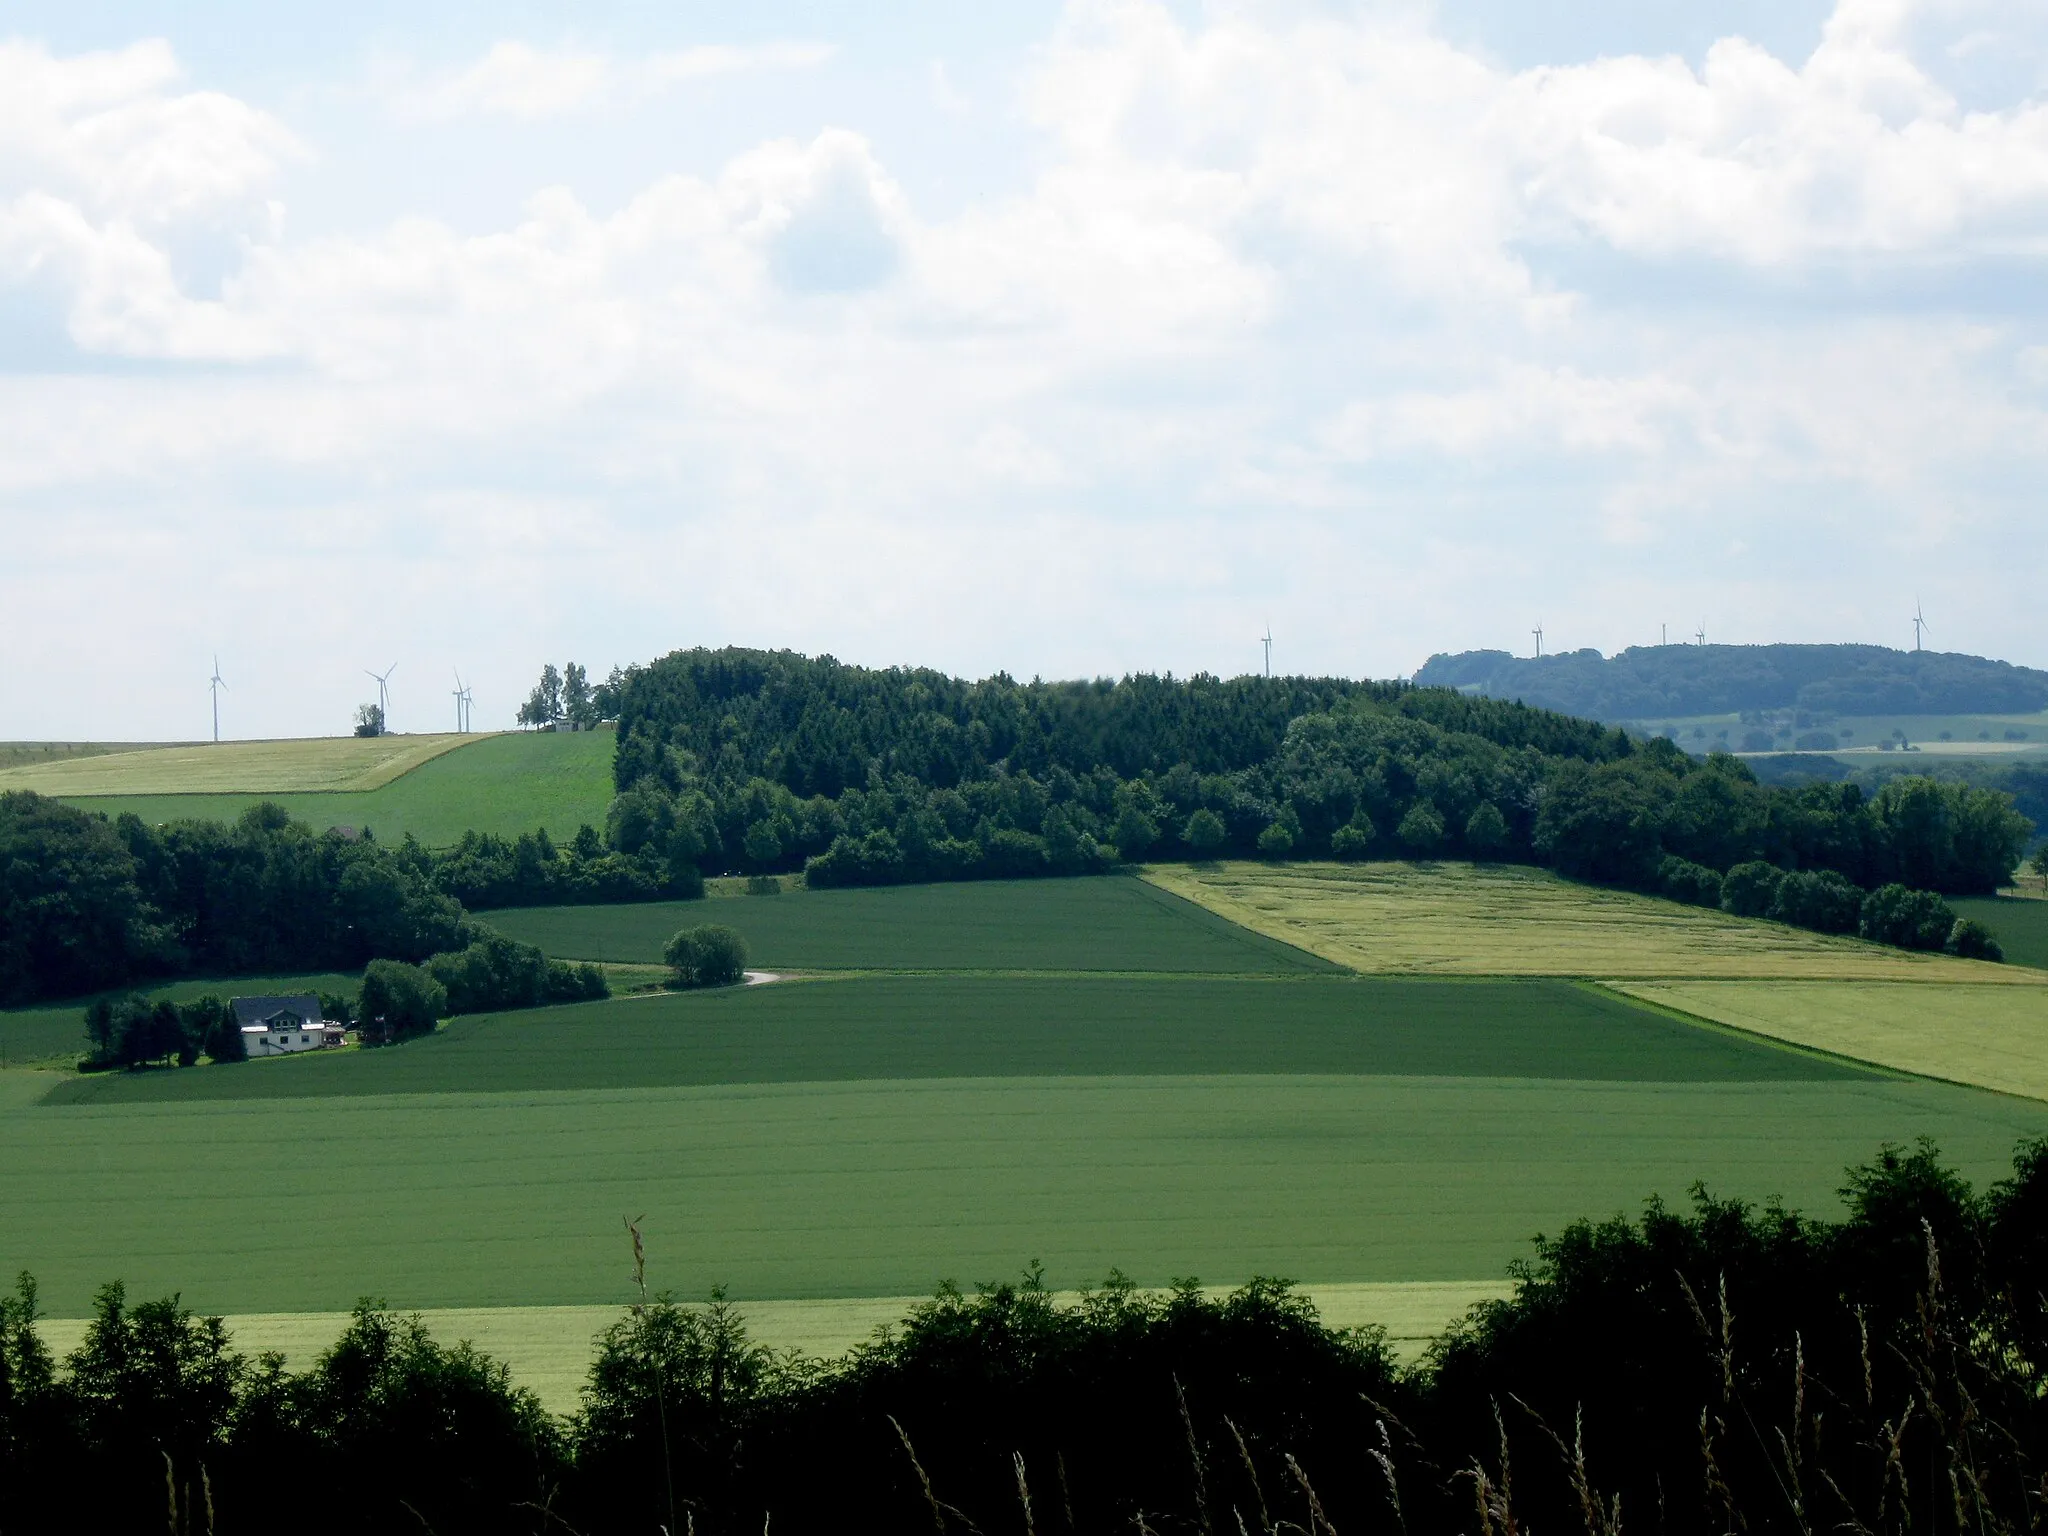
x=1288 y=308
x=516 y=79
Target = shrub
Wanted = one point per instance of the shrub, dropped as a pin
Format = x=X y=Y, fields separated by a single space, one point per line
x=399 y=1001
x=708 y=956
x=1973 y=941
x=1354 y=838
x=1750 y=890
x=1276 y=842
x=1818 y=899
x=1487 y=830
x=1422 y=829
x=1694 y=884
x=1204 y=832
x=1897 y=914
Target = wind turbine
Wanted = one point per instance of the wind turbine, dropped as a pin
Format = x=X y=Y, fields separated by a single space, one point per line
x=468 y=703
x=383 y=693
x=459 y=726
x=1267 y=641
x=214 y=687
x=1702 y=635
x=1538 y=633
x=1919 y=624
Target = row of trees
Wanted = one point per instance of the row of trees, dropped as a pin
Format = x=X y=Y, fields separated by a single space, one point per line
x=568 y=697
x=1375 y=776
x=395 y=1002
x=1693 y=1372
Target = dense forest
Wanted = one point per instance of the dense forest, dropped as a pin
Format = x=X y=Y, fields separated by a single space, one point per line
x=756 y=762
x=1660 y=682
x=1691 y=1373
x=88 y=904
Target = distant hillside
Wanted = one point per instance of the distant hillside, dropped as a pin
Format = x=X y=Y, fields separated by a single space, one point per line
x=1661 y=681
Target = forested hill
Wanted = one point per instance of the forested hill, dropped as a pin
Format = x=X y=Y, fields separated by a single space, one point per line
x=1660 y=681
x=816 y=726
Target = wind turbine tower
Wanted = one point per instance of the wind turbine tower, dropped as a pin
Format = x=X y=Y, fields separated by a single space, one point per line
x=383 y=693
x=1538 y=633
x=1702 y=635
x=1919 y=624
x=214 y=687
x=1267 y=641
x=459 y=726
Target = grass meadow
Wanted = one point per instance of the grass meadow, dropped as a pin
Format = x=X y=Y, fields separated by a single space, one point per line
x=340 y=763
x=504 y=784
x=1094 y=924
x=1992 y=1037
x=1458 y=919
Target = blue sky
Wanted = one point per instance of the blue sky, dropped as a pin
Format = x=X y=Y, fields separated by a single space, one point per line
x=1050 y=338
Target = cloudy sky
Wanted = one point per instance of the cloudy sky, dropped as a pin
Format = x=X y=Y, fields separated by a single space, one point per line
x=1050 y=338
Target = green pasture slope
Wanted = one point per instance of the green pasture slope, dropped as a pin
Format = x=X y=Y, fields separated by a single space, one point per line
x=504 y=784
x=1097 y=924
x=2020 y=922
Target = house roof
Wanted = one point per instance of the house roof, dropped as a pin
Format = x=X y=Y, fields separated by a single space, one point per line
x=258 y=1011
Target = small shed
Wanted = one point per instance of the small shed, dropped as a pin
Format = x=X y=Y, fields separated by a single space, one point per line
x=281 y=1026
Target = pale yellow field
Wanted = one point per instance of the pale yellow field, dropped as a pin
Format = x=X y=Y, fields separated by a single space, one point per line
x=549 y=1349
x=1989 y=1037
x=1457 y=919
x=352 y=763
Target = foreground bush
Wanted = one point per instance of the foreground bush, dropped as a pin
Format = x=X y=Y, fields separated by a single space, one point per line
x=1702 y=1372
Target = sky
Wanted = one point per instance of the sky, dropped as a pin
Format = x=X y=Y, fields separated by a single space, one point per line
x=1051 y=339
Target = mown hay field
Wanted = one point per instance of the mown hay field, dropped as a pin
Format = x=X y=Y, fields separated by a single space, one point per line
x=1457 y=919
x=1991 y=1037
x=353 y=763
x=504 y=784
x=913 y=1028
x=2021 y=923
x=884 y=1188
x=1095 y=924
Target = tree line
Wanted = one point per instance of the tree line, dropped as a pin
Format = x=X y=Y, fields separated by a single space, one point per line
x=762 y=762
x=88 y=904
x=1652 y=682
x=1694 y=1372
x=395 y=1001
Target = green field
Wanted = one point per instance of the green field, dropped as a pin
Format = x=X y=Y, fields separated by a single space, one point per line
x=504 y=784
x=56 y=1031
x=1095 y=924
x=910 y=1028
x=884 y=1188
x=2021 y=923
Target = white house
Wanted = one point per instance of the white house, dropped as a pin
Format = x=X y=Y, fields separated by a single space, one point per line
x=279 y=1026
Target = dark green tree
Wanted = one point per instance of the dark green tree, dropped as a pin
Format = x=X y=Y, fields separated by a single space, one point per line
x=1422 y=829
x=1204 y=833
x=398 y=1001
x=1486 y=831
x=710 y=955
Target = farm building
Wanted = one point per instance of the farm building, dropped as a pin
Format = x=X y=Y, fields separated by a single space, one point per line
x=279 y=1026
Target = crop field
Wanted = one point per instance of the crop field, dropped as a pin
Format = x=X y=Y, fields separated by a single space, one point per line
x=55 y=1032
x=1093 y=1073
x=342 y=763
x=882 y=1188
x=1968 y=735
x=23 y=754
x=909 y=1028
x=1993 y=1037
x=504 y=784
x=2021 y=923
x=1459 y=919
x=1093 y=924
